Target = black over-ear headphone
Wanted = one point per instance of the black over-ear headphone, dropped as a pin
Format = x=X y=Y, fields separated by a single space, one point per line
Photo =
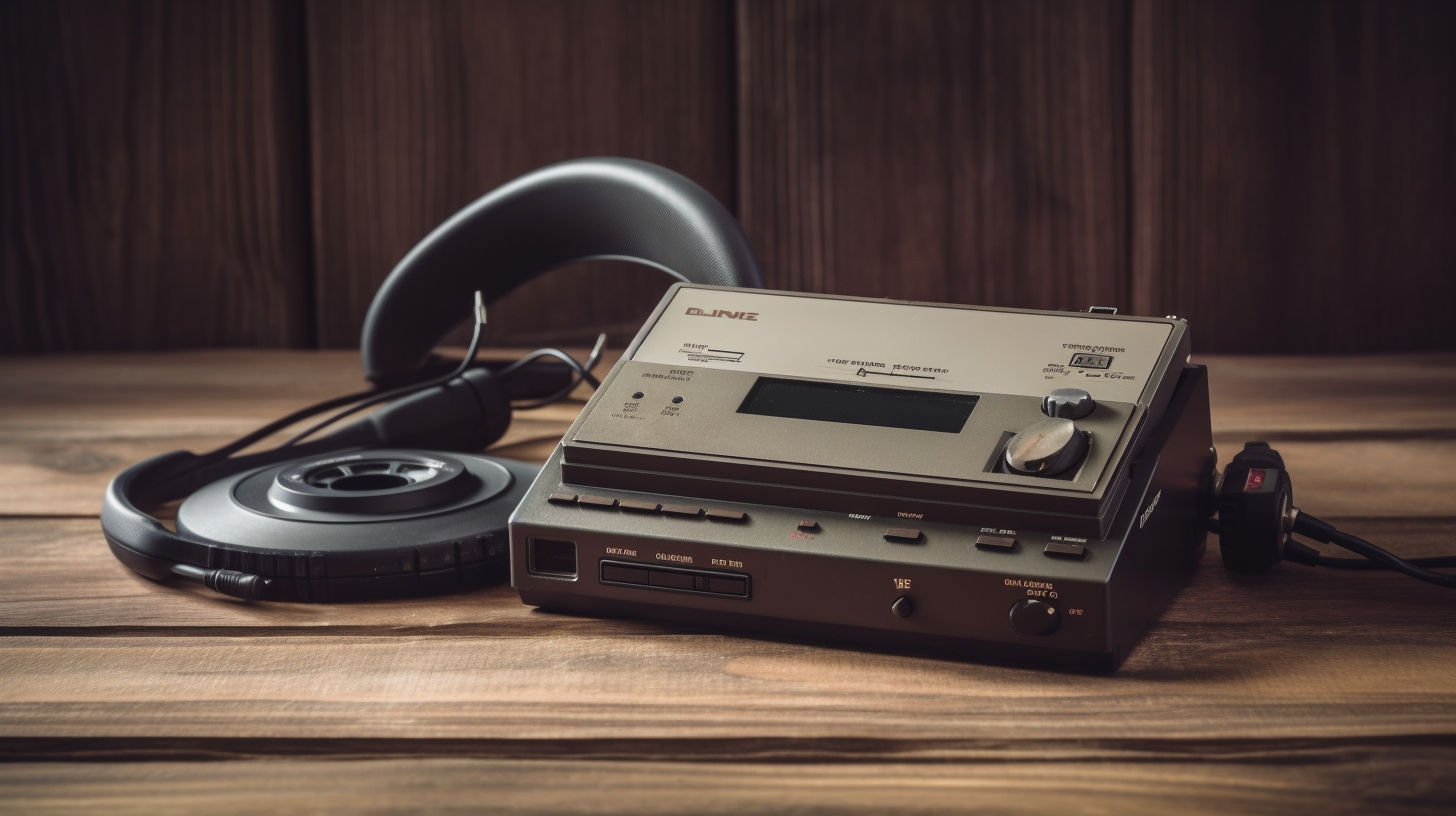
x=331 y=488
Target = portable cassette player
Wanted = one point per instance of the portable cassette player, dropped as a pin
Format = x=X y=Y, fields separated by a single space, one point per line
x=1010 y=484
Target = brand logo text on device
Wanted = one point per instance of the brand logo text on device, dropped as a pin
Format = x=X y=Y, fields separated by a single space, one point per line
x=696 y=312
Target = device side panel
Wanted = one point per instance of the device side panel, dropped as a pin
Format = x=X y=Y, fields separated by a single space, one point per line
x=1165 y=525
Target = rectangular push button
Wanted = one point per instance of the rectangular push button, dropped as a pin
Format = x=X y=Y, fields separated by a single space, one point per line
x=902 y=534
x=639 y=505
x=671 y=580
x=648 y=576
x=623 y=575
x=562 y=497
x=726 y=515
x=719 y=585
x=597 y=501
x=990 y=542
x=682 y=510
x=1063 y=549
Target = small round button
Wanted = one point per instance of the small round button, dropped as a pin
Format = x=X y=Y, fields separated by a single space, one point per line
x=1068 y=403
x=677 y=400
x=1048 y=448
x=1032 y=617
x=638 y=395
x=902 y=607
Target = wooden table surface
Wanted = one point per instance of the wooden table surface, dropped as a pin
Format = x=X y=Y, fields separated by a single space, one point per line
x=1299 y=691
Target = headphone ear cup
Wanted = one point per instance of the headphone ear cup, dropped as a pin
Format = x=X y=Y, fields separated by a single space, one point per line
x=1253 y=509
x=465 y=414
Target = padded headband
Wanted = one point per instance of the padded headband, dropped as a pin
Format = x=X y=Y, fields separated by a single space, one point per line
x=586 y=209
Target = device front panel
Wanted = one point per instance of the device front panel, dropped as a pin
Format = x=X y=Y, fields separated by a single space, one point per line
x=843 y=569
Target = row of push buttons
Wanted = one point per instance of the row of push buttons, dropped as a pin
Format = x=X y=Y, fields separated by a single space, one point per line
x=1063 y=549
x=910 y=535
x=905 y=535
x=712 y=583
x=642 y=506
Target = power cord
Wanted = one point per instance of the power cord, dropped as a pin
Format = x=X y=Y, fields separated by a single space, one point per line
x=1377 y=557
x=1374 y=556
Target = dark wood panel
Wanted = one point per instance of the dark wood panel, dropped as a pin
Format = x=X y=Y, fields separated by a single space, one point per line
x=963 y=151
x=1336 y=781
x=1294 y=167
x=153 y=175
x=418 y=108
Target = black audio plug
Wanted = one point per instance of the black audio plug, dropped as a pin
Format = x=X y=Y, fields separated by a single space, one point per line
x=1256 y=515
x=227 y=582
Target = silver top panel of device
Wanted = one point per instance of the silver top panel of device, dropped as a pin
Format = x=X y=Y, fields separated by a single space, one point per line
x=908 y=345
x=679 y=401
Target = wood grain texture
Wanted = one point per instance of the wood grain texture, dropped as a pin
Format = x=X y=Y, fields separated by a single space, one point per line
x=1300 y=690
x=1352 y=781
x=153 y=176
x=38 y=598
x=1293 y=173
x=1333 y=398
x=1275 y=671
x=68 y=424
x=972 y=152
x=418 y=108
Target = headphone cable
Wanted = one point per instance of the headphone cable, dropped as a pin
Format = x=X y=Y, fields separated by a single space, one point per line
x=403 y=391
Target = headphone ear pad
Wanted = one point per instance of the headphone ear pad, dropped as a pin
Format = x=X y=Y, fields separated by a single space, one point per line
x=1253 y=509
x=465 y=414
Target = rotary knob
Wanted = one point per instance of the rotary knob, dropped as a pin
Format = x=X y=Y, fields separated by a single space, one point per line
x=1048 y=448
x=1068 y=403
x=1033 y=617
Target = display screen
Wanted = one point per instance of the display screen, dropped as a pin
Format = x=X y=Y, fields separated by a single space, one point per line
x=859 y=405
x=1091 y=361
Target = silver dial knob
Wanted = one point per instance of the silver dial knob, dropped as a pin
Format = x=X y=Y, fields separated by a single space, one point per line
x=1071 y=403
x=1048 y=448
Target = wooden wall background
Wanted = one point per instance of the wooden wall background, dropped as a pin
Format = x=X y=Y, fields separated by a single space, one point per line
x=177 y=174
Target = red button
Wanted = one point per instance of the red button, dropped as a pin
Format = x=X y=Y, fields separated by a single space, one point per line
x=1254 y=481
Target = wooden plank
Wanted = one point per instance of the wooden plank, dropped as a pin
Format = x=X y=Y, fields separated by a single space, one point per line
x=1364 y=436
x=155 y=176
x=1269 y=684
x=1298 y=653
x=68 y=424
x=1332 y=398
x=419 y=108
x=60 y=578
x=1334 y=781
x=1292 y=174
x=972 y=152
